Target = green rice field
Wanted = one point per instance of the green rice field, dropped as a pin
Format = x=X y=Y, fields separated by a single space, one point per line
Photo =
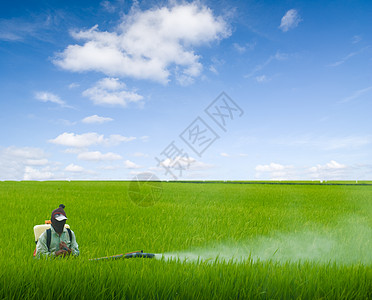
x=212 y=240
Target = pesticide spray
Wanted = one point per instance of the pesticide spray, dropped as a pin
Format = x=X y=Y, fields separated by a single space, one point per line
x=349 y=243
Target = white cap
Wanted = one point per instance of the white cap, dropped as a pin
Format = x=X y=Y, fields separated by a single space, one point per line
x=60 y=217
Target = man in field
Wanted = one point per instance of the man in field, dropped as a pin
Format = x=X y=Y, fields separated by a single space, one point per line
x=59 y=241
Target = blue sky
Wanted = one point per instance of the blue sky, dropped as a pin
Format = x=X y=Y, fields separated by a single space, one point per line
x=111 y=89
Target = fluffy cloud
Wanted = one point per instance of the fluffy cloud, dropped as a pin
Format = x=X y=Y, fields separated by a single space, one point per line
x=116 y=139
x=275 y=171
x=147 y=43
x=89 y=139
x=78 y=140
x=278 y=56
x=37 y=162
x=261 y=79
x=239 y=48
x=73 y=85
x=270 y=168
x=75 y=150
x=24 y=153
x=111 y=92
x=24 y=163
x=182 y=167
x=131 y=165
x=331 y=170
x=140 y=154
x=74 y=168
x=35 y=174
x=96 y=119
x=49 y=97
x=325 y=142
x=108 y=6
x=189 y=163
x=98 y=156
x=290 y=20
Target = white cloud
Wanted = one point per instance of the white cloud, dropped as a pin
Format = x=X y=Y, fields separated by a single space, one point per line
x=73 y=85
x=197 y=165
x=109 y=168
x=182 y=165
x=64 y=122
x=17 y=29
x=89 y=139
x=332 y=170
x=270 y=168
x=11 y=30
x=74 y=168
x=131 y=165
x=344 y=59
x=78 y=140
x=140 y=154
x=144 y=138
x=213 y=69
x=96 y=119
x=111 y=92
x=243 y=48
x=356 y=39
x=261 y=79
x=347 y=57
x=112 y=84
x=18 y=163
x=332 y=165
x=325 y=142
x=278 y=56
x=216 y=64
x=49 y=97
x=24 y=153
x=239 y=48
x=290 y=20
x=74 y=150
x=116 y=139
x=108 y=6
x=35 y=174
x=98 y=156
x=357 y=94
x=274 y=171
x=224 y=154
x=37 y=162
x=147 y=44
x=348 y=142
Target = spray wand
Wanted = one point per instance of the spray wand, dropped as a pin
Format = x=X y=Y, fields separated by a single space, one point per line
x=135 y=254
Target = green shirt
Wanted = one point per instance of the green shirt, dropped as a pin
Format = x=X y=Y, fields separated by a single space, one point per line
x=42 y=248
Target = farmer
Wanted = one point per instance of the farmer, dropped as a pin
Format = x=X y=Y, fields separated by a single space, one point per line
x=62 y=241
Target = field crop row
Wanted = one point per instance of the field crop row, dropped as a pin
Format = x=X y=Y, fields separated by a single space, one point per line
x=215 y=241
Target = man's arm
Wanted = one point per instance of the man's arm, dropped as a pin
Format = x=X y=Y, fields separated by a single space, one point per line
x=42 y=248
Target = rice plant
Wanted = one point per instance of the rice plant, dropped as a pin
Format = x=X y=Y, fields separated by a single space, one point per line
x=213 y=241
